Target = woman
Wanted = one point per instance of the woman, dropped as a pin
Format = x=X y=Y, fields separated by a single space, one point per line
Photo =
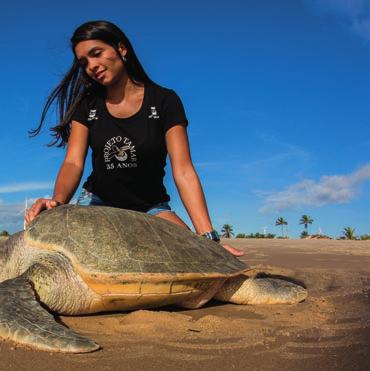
x=108 y=102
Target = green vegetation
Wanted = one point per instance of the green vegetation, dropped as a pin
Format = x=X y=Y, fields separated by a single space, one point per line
x=227 y=231
x=4 y=234
x=365 y=237
x=304 y=234
x=349 y=233
x=255 y=235
x=281 y=222
x=305 y=220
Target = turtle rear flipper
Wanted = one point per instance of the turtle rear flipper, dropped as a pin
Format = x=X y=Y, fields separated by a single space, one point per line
x=244 y=290
x=25 y=321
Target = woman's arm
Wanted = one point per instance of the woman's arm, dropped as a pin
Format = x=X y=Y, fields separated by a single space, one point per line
x=69 y=175
x=188 y=184
x=71 y=171
x=186 y=179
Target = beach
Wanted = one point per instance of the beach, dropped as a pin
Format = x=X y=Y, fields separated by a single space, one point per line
x=330 y=330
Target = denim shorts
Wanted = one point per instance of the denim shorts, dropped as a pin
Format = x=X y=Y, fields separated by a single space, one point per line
x=87 y=198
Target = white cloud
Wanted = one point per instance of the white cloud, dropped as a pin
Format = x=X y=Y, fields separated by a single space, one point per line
x=295 y=153
x=334 y=189
x=209 y=164
x=355 y=13
x=25 y=186
x=11 y=216
x=347 y=8
x=292 y=152
x=362 y=28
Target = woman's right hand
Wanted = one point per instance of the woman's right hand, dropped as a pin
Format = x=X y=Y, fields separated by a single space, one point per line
x=40 y=205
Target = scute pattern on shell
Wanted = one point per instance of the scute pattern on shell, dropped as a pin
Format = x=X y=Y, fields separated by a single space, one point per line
x=117 y=241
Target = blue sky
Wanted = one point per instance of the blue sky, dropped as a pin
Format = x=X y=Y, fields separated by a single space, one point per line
x=276 y=93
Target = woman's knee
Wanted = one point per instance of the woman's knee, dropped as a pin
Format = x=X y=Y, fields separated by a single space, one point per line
x=172 y=217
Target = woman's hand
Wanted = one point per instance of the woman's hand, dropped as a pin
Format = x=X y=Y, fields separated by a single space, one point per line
x=40 y=205
x=232 y=250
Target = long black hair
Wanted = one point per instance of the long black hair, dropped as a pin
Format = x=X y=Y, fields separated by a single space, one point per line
x=76 y=85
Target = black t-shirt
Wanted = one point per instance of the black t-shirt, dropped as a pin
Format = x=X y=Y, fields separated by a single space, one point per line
x=129 y=154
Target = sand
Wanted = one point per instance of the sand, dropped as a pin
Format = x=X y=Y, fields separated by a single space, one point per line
x=329 y=331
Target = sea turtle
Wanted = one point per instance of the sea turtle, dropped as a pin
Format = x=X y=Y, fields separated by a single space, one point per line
x=86 y=259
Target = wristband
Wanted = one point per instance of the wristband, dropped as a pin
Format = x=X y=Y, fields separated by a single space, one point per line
x=212 y=235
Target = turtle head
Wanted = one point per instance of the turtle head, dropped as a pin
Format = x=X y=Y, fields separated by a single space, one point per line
x=3 y=249
x=8 y=255
x=4 y=255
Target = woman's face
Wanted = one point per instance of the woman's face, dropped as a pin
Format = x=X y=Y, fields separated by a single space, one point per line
x=100 y=61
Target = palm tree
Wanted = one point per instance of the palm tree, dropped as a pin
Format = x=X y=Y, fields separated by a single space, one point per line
x=305 y=220
x=281 y=221
x=227 y=231
x=304 y=234
x=349 y=233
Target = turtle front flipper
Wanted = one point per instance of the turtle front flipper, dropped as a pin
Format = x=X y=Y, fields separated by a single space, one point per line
x=23 y=320
x=244 y=290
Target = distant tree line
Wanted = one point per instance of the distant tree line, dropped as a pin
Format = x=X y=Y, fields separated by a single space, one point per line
x=255 y=235
x=348 y=233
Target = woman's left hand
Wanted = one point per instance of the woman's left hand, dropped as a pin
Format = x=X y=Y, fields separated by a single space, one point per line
x=232 y=250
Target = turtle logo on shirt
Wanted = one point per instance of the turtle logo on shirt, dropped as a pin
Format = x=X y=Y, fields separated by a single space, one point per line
x=119 y=153
x=92 y=115
x=153 y=113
